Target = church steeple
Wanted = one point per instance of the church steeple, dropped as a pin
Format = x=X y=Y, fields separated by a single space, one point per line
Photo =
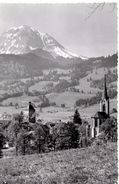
x=105 y=89
x=104 y=103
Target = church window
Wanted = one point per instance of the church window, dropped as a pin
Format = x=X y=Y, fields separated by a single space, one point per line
x=103 y=107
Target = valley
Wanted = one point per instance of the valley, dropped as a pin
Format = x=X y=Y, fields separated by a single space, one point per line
x=61 y=89
x=57 y=81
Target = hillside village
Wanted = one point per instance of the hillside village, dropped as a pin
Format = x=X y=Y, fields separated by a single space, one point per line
x=58 y=111
x=57 y=95
x=91 y=125
x=26 y=134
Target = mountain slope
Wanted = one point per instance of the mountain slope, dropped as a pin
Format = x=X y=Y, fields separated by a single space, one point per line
x=26 y=65
x=26 y=52
x=24 y=39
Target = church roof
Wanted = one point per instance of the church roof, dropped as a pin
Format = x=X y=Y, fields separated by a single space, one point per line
x=101 y=115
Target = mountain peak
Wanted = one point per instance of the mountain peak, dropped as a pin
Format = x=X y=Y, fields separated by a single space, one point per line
x=24 y=39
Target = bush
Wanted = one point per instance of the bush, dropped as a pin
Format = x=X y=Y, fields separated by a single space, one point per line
x=114 y=110
x=110 y=129
x=45 y=102
x=63 y=105
x=52 y=104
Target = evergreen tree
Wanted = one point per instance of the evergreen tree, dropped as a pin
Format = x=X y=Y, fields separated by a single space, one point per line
x=77 y=118
x=74 y=135
x=16 y=127
x=22 y=142
x=2 y=141
x=40 y=137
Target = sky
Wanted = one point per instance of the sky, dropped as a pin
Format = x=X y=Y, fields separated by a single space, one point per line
x=68 y=24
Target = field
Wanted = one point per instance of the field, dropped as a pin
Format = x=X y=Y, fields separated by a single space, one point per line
x=66 y=114
x=91 y=165
x=42 y=86
x=57 y=113
x=22 y=100
x=67 y=98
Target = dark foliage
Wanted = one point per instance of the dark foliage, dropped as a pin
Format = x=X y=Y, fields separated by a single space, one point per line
x=110 y=129
x=2 y=142
x=62 y=86
x=77 y=118
x=40 y=138
x=45 y=103
x=24 y=144
x=74 y=135
x=114 y=110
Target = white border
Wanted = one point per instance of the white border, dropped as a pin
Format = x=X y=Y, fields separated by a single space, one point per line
x=75 y=2
x=57 y=1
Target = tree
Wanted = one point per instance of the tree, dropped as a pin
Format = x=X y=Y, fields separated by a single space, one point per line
x=15 y=128
x=22 y=141
x=40 y=137
x=77 y=118
x=110 y=129
x=2 y=141
x=64 y=136
x=74 y=135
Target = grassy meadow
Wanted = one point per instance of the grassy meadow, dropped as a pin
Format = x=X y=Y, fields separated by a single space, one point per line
x=93 y=165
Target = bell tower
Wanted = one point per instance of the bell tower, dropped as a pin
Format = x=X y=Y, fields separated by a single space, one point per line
x=105 y=103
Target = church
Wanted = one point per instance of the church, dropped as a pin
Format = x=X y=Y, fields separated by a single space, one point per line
x=101 y=115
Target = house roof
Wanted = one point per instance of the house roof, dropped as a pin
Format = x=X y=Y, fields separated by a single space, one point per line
x=101 y=115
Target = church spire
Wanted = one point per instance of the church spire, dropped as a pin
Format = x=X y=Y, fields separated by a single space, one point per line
x=105 y=89
x=105 y=103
